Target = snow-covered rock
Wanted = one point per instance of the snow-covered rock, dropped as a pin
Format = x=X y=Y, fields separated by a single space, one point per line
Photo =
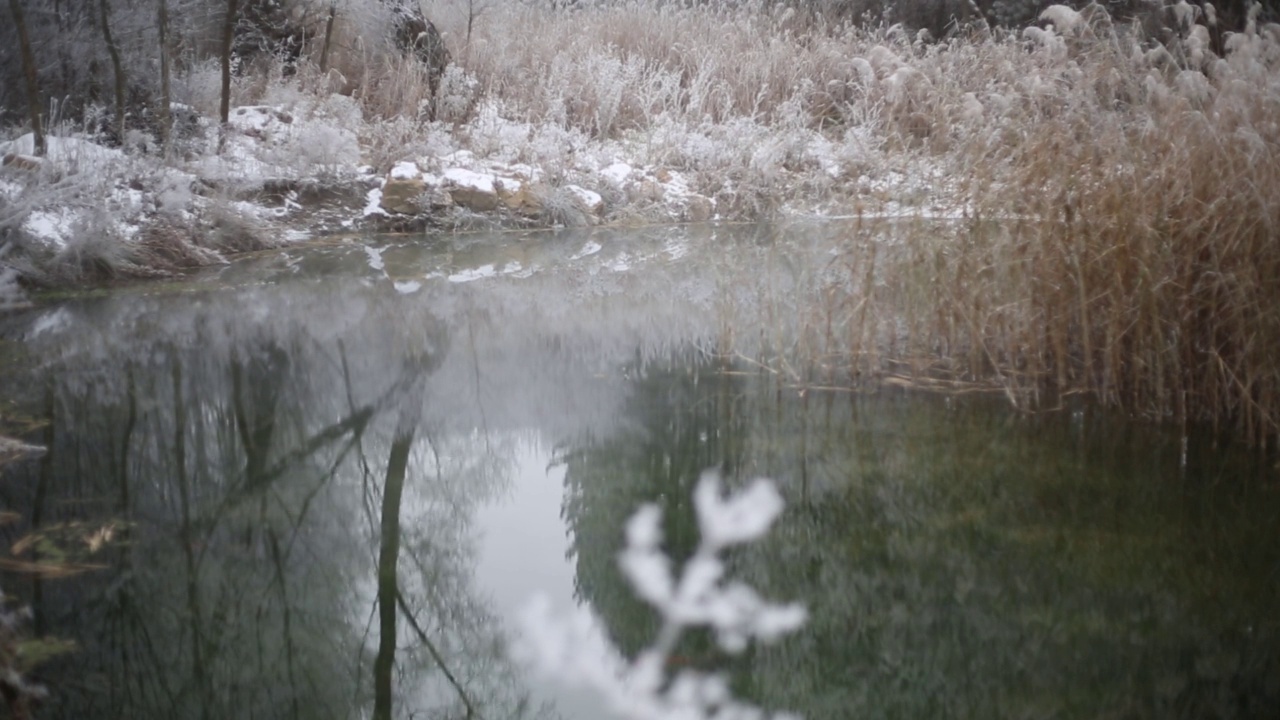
x=486 y=192
x=588 y=199
x=401 y=195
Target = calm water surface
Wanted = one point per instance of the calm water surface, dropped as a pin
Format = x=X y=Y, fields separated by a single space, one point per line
x=283 y=488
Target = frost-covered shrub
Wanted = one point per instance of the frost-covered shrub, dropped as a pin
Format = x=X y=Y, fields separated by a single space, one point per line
x=576 y=650
x=457 y=96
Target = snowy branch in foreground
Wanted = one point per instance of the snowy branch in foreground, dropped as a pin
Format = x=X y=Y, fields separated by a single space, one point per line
x=576 y=650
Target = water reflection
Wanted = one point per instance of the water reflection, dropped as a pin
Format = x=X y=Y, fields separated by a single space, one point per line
x=958 y=560
x=293 y=519
x=302 y=460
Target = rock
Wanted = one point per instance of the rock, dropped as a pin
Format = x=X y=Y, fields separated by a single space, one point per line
x=523 y=200
x=481 y=192
x=699 y=208
x=617 y=173
x=22 y=162
x=589 y=201
x=646 y=190
x=474 y=199
x=402 y=195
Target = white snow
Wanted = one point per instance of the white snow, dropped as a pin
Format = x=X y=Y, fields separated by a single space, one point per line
x=375 y=258
x=464 y=178
x=52 y=226
x=405 y=171
x=373 y=203
x=617 y=172
x=407 y=287
x=72 y=152
x=1064 y=18
x=589 y=199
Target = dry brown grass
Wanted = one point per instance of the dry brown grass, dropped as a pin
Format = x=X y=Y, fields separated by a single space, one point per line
x=1121 y=236
x=1120 y=199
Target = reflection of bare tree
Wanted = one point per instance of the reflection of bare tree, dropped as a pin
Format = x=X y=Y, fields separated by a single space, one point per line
x=388 y=560
x=237 y=467
x=447 y=644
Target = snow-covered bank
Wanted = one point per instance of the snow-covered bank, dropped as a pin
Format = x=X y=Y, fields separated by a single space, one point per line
x=634 y=114
x=88 y=213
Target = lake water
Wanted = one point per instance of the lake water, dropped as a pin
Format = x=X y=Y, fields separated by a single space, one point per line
x=233 y=459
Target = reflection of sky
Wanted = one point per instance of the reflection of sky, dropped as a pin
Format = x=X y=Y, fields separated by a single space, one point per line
x=522 y=545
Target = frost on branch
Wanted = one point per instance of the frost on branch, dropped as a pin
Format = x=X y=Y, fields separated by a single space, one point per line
x=576 y=650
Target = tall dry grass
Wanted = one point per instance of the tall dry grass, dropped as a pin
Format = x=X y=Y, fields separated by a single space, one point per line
x=1119 y=198
x=1121 y=231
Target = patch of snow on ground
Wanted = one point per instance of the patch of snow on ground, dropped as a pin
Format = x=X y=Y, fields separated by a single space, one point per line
x=407 y=287
x=248 y=209
x=676 y=186
x=375 y=258
x=52 y=226
x=617 y=172
x=74 y=152
x=373 y=203
x=468 y=179
x=589 y=199
x=405 y=171
x=10 y=190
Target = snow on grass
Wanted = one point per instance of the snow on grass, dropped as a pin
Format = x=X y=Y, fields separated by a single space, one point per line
x=74 y=154
x=52 y=226
x=617 y=173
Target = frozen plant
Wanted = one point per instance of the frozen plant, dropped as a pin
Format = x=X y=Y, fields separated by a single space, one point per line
x=576 y=651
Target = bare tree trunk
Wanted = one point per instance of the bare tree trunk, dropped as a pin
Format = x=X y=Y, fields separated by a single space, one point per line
x=228 y=35
x=29 y=73
x=116 y=66
x=328 y=36
x=471 y=19
x=166 y=119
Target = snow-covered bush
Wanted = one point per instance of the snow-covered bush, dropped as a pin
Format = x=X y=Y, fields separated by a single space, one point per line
x=457 y=95
x=576 y=650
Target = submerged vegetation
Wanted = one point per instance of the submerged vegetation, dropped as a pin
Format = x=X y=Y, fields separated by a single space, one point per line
x=1090 y=206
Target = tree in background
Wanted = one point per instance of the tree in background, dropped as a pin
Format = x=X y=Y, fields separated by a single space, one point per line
x=29 y=74
x=228 y=36
x=166 y=101
x=117 y=67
